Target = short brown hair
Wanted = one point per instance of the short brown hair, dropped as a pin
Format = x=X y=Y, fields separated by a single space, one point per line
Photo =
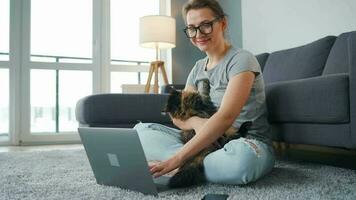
x=198 y=4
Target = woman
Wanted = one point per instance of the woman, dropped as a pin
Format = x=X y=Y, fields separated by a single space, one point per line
x=237 y=89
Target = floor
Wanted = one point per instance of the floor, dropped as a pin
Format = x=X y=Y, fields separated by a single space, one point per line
x=329 y=156
x=40 y=148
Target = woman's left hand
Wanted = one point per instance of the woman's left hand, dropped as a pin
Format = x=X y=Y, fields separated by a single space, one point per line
x=183 y=125
x=164 y=167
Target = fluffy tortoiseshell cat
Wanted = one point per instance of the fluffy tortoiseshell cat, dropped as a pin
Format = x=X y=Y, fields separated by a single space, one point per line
x=183 y=105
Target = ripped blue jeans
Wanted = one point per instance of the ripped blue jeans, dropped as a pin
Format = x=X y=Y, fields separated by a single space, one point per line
x=240 y=161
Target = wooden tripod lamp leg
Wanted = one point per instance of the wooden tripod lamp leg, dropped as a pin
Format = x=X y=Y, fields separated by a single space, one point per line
x=148 y=83
x=155 y=87
x=155 y=66
x=164 y=74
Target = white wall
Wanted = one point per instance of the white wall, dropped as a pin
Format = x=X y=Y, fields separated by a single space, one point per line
x=270 y=25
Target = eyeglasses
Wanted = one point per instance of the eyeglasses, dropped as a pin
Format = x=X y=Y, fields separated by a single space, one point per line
x=204 y=28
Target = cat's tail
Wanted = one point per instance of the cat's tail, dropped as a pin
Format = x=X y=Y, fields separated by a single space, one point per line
x=188 y=175
x=243 y=130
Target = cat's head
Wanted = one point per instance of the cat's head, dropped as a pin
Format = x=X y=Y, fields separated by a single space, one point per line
x=173 y=103
x=183 y=104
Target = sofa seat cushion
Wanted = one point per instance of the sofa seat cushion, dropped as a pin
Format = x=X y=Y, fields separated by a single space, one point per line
x=300 y=62
x=323 y=99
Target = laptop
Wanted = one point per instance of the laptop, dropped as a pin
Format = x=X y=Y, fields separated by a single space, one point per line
x=117 y=159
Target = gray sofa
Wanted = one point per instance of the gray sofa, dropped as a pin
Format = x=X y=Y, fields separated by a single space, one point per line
x=310 y=92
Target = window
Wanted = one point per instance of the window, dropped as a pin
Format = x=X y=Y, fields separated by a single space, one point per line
x=60 y=53
x=118 y=79
x=43 y=100
x=54 y=97
x=70 y=90
x=4 y=104
x=61 y=31
x=4 y=27
x=124 y=29
x=4 y=70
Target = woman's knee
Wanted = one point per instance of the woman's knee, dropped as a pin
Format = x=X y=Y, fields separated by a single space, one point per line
x=236 y=163
x=142 y=126
x=156 y=143
x=222 y=169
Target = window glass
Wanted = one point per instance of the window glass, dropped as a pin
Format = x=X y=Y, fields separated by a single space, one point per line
x=4 y=104
x=125 y=29
x=43 y=100
x=73 y=85
x=61 y=30
x=54 y=95
x=4 y=27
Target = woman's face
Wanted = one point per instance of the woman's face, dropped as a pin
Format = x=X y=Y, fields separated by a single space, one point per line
x=204 y=16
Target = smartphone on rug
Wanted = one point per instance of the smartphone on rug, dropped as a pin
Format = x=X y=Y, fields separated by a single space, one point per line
x=215 y=197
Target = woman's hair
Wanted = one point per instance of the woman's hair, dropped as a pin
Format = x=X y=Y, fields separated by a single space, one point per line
x=198 y=4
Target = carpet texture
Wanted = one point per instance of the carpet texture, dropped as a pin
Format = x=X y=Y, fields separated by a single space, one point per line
x=66 y=174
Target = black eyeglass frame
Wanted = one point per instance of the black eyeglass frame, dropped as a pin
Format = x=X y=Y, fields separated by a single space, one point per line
x=211 y=23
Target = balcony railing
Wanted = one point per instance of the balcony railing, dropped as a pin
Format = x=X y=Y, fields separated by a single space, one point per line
x=57 y=59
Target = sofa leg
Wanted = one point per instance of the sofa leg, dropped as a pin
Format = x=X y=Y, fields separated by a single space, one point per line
x=277 y=148
x=285 y=148
x=281 y=149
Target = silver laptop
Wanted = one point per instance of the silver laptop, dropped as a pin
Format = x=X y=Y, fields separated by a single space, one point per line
x=117 y=159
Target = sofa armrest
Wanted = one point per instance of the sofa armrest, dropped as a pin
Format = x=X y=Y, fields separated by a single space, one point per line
x=322 y=99
x=351 y=49
x=112 y=110
x=262 y=59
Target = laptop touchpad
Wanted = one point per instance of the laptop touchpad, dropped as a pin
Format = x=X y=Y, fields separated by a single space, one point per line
x=162 y=180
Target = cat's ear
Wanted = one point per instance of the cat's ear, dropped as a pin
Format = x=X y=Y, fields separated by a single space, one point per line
x=205 y=89
x=175 y=96
x=173 y=91
x=206 y=82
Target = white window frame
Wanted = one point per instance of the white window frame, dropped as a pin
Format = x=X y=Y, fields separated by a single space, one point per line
x=20 y=66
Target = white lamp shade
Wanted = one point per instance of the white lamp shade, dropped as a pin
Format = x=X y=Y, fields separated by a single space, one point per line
x=157 y=31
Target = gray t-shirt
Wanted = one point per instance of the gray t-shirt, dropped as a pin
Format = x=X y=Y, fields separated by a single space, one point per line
x=234 y=62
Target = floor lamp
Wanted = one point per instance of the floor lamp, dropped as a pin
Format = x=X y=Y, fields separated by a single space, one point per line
x=158 y=32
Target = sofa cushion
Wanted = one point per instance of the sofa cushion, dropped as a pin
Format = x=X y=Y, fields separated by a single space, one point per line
x=300 y=62
x=338 y=59
x=322 y=99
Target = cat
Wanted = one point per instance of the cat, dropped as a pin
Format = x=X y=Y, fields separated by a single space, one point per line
x=183 y=105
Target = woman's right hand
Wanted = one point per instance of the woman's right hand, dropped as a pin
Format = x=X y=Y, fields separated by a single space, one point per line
x=183 y=125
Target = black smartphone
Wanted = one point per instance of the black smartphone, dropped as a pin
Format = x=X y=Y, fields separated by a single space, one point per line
x=215 y=197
